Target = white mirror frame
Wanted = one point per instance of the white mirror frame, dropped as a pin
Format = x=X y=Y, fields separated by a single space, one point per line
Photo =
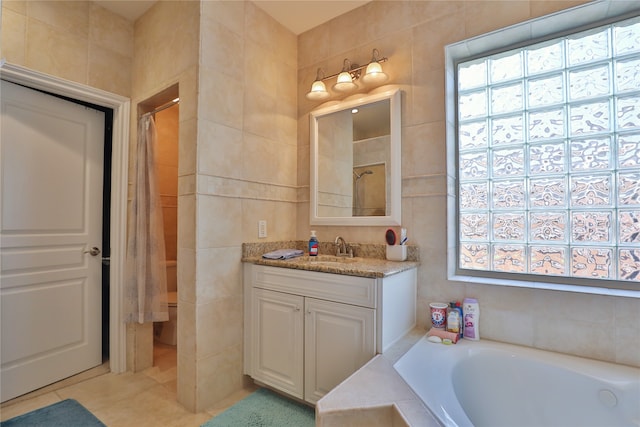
x=395 y=198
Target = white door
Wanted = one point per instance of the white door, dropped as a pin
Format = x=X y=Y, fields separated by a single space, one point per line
x=51 y=159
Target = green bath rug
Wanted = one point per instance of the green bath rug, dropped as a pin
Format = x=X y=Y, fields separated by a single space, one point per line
x=68 y=413
x=264 y=408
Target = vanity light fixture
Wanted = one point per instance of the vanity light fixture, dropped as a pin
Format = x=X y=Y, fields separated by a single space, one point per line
x=345 y=80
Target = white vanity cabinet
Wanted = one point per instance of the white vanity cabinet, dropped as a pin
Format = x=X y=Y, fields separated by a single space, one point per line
x=307 y=331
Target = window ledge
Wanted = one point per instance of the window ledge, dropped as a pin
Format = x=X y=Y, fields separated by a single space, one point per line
x=628 y=293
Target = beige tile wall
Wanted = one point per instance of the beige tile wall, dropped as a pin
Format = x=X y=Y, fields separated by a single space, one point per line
x=166 y=53
x=246 y=171
x=413 y=35
x=74 y=40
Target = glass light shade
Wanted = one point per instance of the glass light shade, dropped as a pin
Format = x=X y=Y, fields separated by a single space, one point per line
x=374 y=74
x=318 y=91
x=344 y=83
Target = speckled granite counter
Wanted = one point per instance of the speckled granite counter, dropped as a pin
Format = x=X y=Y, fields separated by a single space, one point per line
x=368 y=261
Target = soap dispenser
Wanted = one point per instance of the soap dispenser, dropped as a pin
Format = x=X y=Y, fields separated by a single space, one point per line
x=313 y=244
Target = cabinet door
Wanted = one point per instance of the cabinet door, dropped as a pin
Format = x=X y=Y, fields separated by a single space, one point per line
x=339 y=339
x=277 y=325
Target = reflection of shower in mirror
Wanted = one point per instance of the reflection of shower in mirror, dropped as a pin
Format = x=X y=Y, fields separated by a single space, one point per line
x=369 y=195
x=358 y=176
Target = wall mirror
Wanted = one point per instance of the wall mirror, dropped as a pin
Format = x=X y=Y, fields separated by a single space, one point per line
x=356 y=161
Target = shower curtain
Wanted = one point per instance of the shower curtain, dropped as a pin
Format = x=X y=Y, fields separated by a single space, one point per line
x=145 y=284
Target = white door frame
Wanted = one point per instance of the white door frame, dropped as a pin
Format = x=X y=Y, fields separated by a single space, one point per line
x=119 y=182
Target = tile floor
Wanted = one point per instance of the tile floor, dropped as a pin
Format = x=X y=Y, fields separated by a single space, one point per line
x=146 y=398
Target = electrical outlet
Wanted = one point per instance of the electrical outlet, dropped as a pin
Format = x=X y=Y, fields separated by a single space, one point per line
x=262 y=228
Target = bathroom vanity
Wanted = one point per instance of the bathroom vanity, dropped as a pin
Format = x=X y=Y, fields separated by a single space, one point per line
x=311 y=322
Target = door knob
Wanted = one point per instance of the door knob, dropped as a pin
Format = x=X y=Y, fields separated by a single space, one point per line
x=94 y=251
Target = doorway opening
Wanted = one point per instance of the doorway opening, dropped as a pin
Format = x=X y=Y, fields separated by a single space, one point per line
x=165 y=109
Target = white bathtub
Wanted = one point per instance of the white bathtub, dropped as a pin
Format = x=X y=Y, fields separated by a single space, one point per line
x=485 y=383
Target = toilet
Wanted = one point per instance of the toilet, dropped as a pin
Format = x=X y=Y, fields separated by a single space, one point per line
x=167 y=332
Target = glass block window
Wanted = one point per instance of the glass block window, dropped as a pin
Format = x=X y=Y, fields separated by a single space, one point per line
x=548 y=151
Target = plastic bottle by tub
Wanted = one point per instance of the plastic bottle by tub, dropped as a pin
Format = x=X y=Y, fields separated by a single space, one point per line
x=471 y=316
x=453 y=321
x=458 y=308
x=313 y=244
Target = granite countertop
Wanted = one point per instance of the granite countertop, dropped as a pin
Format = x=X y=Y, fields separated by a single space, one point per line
x=363 y=267
x=368 y=261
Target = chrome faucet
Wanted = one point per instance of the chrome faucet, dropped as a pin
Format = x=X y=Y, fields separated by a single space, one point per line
x=343 y=248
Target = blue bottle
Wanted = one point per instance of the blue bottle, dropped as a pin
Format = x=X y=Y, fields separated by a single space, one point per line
x=313 y=244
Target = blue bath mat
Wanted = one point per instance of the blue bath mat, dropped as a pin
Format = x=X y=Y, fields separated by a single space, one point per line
x=265 y=408
x=68 y=413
